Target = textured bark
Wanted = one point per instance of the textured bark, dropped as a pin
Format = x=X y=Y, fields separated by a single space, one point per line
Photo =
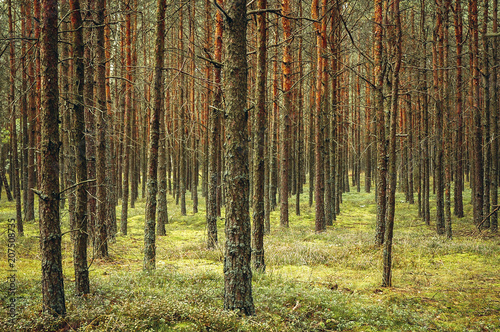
x=459 y=179
x=101 y=230
x=447 y=115
x=50 y=231
x=485 y=71
x=299 y=158
x=438 y=68
x=380 y=120
x=152 y=186
x=237 y=271
x=425 y=116
x=81 y=221
x=90 y=115
x=319 y=179
x=162 y=209
x=259 y=136
x=213 y=138
x=111 y=162
x=396 y=38
x=127 y=118
x=325 y=105
x=478 y=171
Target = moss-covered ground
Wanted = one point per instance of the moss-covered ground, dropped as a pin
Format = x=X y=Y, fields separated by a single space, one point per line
x=313 y=282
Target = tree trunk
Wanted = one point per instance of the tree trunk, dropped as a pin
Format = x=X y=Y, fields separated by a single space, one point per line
x=486 y=118
x=13 y=128
x=50 y=231
x=81 y=220
x=30 y=206
x=478 y=189
x=149 y=230
x=213 y=138
x=101 y=234
x=127 y=118
x=259 y=130
x=319 y=179
x=396 y=38
x=494 y=124
x=285 y=116
x=379 y=73
x=459 y=179
x=237 y=271
x=90 y=136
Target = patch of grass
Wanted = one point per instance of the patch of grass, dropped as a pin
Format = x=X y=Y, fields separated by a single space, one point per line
x=313 y=282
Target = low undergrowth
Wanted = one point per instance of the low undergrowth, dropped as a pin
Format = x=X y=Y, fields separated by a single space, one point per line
x=313 y=282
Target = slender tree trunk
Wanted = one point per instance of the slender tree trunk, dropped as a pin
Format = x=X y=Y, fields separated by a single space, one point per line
x=438 y=68
x=81 y=216
x=380 y=118
x=149 y=230
x=162 y=209
x=260 y=130
x=478 y=189
x=391 y=194
x=90 y=114
x=213 y=138
x=127 y=118
x=319 y=180
x=30 y=204
x=494 y=123
x=237 y=271
x=486 y=117
x=459 y=179
x=50 y=231
x=101 y=234
x=13 y=128
x=285 y=116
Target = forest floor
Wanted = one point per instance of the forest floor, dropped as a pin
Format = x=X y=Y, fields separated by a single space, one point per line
x=313 y=282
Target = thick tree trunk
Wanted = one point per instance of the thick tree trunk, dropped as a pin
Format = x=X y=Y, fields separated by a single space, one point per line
x=81 y=221
x=50 y=231
x=237 y=271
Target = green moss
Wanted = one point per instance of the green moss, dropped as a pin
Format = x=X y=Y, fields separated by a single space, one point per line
x=313 y=282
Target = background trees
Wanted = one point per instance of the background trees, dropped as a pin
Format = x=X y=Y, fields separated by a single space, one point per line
x=325 y=93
